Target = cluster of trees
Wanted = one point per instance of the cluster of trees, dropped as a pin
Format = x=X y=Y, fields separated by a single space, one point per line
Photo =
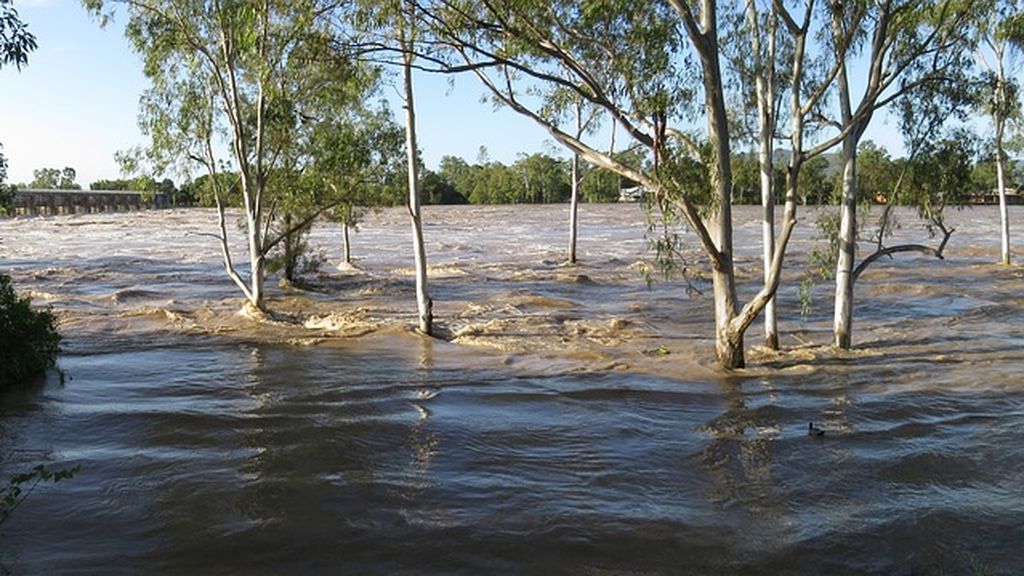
x=884 y=179
x=290 y=85
x=693 y=82
x=274 y=84
x=532 y=179
x=183 y=196
x=54 y=179
x=288 y=88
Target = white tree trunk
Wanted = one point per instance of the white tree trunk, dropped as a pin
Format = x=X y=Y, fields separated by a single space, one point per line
x=842 y=321
x=843 y=318
x=728 y=343
x=1003 y=212
x=764 y=82
x=423 y=303
x=1000 y=122
x=574 y=206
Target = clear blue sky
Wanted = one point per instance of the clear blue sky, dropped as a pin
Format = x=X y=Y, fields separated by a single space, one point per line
x=76 y=104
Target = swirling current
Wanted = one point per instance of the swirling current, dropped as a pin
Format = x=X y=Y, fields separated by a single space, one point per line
x=569 y=421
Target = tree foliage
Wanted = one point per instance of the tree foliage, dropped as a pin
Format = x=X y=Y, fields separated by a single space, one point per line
x=249 y=77
x=28 y=337
x=15 y=39
x=55 y=179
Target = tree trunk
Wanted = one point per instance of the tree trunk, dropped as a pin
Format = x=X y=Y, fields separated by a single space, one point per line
x=575 y=182
x=1003 y=213
x=574 y=206
x=1000 y=122
x=290 y=255
x=257 y=261
x=259 y=273
x=346 y=244
x=728 y=344
x=843 y=318
x=764 y=82
x=423 y=303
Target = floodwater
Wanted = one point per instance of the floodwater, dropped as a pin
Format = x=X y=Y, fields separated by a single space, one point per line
x=570 y=422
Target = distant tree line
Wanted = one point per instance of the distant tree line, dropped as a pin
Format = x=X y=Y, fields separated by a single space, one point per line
x=543 y=179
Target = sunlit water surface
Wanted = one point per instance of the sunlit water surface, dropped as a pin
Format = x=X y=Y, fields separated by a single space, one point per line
x=552 y=435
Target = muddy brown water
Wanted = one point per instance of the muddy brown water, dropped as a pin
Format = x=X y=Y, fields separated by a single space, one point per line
x=571 y=422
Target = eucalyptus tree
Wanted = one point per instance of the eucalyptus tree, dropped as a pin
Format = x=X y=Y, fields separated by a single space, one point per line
x=912 y=49
x=387 y=31
x=335 y=149
x=585 y=121
x=219 y=74
x=757 y=61
x=1000 y=32
x=355 y=159
x=407 y=34
x=655 y=71
x=574 y=181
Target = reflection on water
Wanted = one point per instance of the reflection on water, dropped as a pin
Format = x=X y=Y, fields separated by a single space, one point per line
x=556 y=447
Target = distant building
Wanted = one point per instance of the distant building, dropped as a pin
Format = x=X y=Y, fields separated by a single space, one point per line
x=1013 y=196
x=632 y=194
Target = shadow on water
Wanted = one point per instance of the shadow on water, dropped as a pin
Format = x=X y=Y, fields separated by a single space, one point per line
x=266 y=459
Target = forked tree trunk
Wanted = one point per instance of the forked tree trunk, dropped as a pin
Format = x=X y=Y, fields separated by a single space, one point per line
x=423 y=303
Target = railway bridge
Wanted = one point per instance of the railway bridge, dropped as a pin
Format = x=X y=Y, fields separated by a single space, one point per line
x=32 y=202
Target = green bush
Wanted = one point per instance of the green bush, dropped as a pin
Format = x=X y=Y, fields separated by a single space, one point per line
x=28 y=338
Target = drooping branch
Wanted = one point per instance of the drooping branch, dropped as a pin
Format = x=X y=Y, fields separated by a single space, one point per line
x=889 y=251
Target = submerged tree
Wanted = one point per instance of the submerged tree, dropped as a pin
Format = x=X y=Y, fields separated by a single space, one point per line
x=757 y=62
x=1000 y=30
x=913 y=50
x=226 y=69
x=356 y=161
x=652 y=71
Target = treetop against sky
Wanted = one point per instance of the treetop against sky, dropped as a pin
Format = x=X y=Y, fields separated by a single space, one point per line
x=77 y=103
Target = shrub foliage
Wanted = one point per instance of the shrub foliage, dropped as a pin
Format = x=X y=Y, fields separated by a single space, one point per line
x=28 y=337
